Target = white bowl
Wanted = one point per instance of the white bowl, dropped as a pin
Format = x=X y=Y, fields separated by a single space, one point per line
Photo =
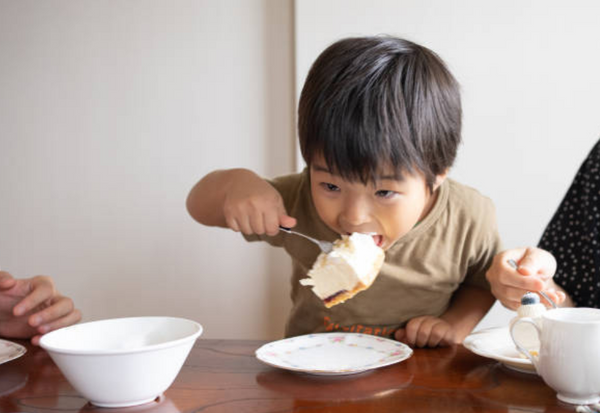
x=124 y=361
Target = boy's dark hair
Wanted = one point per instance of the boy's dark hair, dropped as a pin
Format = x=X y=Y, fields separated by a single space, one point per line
x=371 y=100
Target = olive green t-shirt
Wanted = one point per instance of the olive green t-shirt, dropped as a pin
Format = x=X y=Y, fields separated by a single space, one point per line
x=454 y=244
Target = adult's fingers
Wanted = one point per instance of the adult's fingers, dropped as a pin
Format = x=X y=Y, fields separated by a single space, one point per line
x=36 y=292
x=510 y=297
x=72 y=317
x=515 y=278
x=6 y=280
x=538 y=262
x=510 y=304
x=69 y=319
x=557 y=296
x=58 y=307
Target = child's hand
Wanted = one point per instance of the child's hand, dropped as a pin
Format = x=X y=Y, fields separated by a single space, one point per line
x=426 y=331
x=32 y=307
x=253 y=206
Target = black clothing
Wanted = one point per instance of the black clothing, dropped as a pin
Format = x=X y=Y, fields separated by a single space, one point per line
x=573 y=235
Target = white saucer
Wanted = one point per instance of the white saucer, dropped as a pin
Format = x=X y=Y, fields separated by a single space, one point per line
x=10 y=351
x=495 y=343
x=333 y=353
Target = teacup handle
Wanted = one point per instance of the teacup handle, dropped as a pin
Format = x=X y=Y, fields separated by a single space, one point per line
x=528 y=320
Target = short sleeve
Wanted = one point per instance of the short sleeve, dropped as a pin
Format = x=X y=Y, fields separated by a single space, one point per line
x=485 y=249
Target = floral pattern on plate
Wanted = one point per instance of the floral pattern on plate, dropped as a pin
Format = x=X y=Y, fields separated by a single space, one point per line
x=333 y=353
x=10 y=351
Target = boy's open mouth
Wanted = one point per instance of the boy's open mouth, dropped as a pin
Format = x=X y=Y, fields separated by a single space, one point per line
x=378 y=239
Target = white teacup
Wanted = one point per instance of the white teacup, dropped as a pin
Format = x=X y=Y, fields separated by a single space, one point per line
x=569 y=357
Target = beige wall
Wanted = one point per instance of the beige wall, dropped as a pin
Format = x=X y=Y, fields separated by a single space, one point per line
x=109 y=113
x=111 y=110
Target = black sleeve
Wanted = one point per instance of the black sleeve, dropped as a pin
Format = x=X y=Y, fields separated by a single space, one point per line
x=572 y=235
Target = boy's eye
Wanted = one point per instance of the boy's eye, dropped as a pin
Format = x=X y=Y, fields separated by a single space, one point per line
x=330 y=187
x=384 y=193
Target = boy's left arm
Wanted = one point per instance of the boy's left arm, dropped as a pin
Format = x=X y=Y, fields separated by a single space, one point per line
x=473 y=299
x=469 y=305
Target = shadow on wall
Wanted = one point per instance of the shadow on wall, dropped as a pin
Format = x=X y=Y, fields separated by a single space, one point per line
x=281 y=141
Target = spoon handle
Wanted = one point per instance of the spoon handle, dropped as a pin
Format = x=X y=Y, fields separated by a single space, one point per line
x=323 y=245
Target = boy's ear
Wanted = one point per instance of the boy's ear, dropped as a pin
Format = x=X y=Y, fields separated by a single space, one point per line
x=439 y=179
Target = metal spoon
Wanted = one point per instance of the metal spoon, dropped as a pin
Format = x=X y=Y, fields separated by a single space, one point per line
x=325 y=246
x=514 y=264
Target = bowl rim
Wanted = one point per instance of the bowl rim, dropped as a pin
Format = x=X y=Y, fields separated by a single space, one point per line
x=107 y=352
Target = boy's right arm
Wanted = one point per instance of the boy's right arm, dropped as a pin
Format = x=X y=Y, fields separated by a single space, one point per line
x=238 y=199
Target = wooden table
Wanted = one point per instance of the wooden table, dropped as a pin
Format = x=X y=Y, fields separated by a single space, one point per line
x=224 y=376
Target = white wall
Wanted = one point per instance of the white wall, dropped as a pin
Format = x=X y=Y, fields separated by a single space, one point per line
x=529 y=72
x=109 y=113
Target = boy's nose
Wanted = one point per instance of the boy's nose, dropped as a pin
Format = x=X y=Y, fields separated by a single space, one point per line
x=355 y=214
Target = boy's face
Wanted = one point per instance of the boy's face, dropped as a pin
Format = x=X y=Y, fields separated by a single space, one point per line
x=388 y=208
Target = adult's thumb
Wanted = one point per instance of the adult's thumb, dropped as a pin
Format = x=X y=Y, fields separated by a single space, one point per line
x=537 y=262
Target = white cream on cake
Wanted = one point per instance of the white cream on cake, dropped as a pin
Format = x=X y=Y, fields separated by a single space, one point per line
x=349 y=268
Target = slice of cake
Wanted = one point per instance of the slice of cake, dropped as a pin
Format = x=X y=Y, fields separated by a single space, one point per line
x=349 y=268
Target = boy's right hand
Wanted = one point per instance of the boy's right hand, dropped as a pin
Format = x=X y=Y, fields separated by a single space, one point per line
x=253 y=206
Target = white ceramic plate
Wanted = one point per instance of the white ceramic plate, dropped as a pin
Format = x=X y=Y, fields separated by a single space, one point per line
x=333 y=353
x=495 y=343
x=10 y=351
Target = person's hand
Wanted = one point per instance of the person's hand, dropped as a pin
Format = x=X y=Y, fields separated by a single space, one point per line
x=253 y=206
x=426 y=331
x=536 y=267
x=32 y=307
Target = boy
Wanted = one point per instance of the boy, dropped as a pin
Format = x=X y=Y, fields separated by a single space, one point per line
x=379 y=125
